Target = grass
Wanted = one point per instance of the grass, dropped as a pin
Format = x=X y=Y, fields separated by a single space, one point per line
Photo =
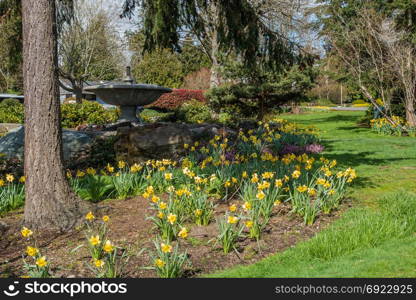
x=377 y=237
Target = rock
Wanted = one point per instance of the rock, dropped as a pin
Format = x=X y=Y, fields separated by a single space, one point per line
x=152 y=141
x=74 y=142
x=6 y=127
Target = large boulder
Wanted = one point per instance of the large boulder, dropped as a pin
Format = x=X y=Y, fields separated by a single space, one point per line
x=74 y=143
x=152 y=141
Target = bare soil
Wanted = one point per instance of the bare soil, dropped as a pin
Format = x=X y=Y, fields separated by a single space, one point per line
x=130 y=229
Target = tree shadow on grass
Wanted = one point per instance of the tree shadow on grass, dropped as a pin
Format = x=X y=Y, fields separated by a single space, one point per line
x=353 y=160
x=355 y=129
x=330 y=119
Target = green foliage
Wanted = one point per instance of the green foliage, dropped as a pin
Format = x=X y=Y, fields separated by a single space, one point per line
x=93 y=188
x=151 y=115
x=11 y=57
x=161 y=67
x=359 y=101
x=194 y=112
x=261 y=90
x=11 y=111
x=12 y=196
x=89 y=112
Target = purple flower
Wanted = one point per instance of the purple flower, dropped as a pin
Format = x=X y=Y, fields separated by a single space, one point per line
x=314 y=148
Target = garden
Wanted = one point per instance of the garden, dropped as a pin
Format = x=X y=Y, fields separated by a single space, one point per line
x=238 y=149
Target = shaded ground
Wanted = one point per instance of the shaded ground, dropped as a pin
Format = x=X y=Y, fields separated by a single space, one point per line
x=130 y=229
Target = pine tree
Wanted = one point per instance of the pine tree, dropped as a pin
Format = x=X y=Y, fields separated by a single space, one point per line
x=221 y=26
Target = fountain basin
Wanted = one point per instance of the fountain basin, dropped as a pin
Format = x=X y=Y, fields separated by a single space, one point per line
x=128 y=97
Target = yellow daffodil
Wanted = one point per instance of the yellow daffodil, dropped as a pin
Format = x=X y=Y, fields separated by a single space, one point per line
x=277 y=203
x=232 y=220
x=41 y=262
x=302 y=188
x=32 y=251
x=159 y=263
x=168 y=176
x=321 y=181
x=311 y=192
x=91 y=171
x=99 y=263
x=155 y=199
x=246 y=206
x=106 y=218
x=109 y=168
x=22 y=179
x=166 y=248
x=9 y=177
x=183 y=233
x=121 y=164
x=80 y=173
x=249 y=224
x=90 y=216
x=260 y=195
x=278 y=183
x=95 y=240
x=296 y=174
x=160 y=215
x=198 y=212
x=163 y=205
x=135 y=168
x=108 y=246
x=172 y=218
x=26 y=232
x=232 y=208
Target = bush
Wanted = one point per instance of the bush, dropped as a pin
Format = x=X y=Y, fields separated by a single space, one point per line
x=359 y=101
x=150 y=116
x=193 y=112
x=174 y=100
x=198 y=80
x=11 y=111
x=161 y=67
x=89 y=112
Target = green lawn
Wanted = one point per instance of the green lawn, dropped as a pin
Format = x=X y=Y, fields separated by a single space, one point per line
x=376 y=238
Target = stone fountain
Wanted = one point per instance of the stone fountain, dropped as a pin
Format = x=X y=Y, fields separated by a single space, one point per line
x=129 y=96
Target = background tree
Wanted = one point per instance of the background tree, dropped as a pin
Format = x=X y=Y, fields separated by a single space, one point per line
x=377 y=53
x=220 y=27
x=89 y=47
x=50 y=203
x=11 y=46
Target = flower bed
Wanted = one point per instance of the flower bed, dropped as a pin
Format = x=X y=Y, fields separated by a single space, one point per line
x=232 y=187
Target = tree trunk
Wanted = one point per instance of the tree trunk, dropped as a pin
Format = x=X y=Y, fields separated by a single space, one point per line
x=410 y=111
x=215 y=47
x=50 y=203
x=78 y=94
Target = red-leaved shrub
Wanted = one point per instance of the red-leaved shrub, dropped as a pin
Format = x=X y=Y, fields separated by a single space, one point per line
x=173 y=100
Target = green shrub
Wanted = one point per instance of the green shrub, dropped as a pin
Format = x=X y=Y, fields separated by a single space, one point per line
x=194 y=112
x=150 y=115
x=11 y=111
x=359 y=101
x=226 y=119
x=89 y=112
x=161 y=67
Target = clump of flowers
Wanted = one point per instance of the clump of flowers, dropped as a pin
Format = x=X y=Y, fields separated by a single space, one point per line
x=230 y=229
x=108 y=260
x=36 y=264
x=168 y=261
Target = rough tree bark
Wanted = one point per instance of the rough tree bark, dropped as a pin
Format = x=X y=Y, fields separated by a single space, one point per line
x=50 y=203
